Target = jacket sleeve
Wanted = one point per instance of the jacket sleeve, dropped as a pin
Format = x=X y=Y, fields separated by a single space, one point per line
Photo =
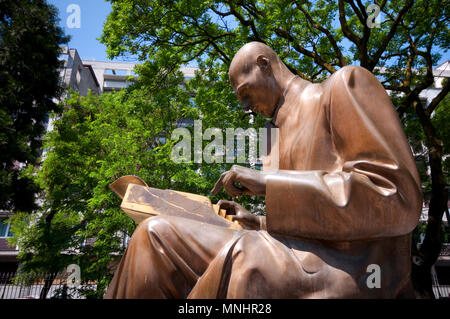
x=376 y=191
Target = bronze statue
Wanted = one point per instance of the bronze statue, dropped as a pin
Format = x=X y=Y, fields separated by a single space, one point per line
x=346 y=197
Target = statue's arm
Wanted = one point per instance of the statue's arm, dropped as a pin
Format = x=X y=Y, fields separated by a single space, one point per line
x=376 y=193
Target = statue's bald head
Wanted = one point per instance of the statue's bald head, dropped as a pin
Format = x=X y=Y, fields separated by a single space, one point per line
x=258 y=75
x=250 y=56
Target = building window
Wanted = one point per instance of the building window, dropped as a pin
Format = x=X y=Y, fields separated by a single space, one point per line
x=116 y=84
x=78 y=76
x=126 y=239
x=5 y=228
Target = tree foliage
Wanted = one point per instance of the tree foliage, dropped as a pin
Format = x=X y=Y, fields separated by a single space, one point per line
x=99 y=139
x=314 y=38
x=29 y=80
x=96 y=140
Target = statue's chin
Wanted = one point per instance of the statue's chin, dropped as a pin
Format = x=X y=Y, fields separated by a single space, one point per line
x=271 y=115
x=265 y=113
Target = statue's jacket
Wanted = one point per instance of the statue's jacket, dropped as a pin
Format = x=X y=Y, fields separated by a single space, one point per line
x=339 y=210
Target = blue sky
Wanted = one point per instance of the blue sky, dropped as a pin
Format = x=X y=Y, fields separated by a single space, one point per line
x=93 y=15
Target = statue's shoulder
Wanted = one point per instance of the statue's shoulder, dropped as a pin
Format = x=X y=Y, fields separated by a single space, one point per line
x=353 y=77
x=351 y=73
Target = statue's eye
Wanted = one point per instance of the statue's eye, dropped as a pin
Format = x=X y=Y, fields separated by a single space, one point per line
x=242 y=92
x=244 y=95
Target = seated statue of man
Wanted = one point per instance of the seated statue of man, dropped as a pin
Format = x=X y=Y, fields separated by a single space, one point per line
x=339 y=210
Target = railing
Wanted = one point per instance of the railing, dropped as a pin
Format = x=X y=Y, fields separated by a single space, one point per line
x=441 y=291
x=17 y=286
x=30 y=286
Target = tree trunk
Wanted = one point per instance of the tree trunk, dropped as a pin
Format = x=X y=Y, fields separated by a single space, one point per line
x=47 y=285
x=431 y=247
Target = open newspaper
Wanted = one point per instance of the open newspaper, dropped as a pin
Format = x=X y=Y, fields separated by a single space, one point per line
x=140 y=201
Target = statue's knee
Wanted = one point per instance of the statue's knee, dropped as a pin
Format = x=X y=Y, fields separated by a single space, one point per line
x=257 y=261
x=157 y=227
x=148 y=228
x=247 y=250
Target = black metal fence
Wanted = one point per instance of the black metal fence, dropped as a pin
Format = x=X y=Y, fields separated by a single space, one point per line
x=18 y=286
x=30 y=286
x=441 y=291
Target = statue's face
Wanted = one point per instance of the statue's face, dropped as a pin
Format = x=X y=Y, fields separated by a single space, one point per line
x=255 y=87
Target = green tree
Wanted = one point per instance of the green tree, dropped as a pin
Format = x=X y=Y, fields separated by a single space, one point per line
x=96 y=140
x=29 y=80
x=314 y=38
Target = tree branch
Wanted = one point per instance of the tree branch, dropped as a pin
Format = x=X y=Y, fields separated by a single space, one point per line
x=345 y=29
x=382 y=4
x=363 y=10
x=328 y=34
x=300 y=74
x=284 y=34
x=245 y=22
x=396 y=88
x=382 y=48
x=435 y=102
x=358 y=13
x=211 y=38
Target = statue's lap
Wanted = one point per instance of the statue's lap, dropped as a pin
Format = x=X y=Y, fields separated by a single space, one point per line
x=261 y=264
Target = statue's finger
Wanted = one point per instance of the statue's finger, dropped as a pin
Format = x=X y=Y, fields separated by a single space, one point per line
x=236 y=218
x=227 y=205
x=232 y=190
x=218 y=186
x=223 y=203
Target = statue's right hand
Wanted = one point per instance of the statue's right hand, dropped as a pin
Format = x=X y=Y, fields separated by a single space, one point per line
x=241 y=180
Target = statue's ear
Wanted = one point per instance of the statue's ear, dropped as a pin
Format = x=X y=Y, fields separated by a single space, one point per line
x=263 y=63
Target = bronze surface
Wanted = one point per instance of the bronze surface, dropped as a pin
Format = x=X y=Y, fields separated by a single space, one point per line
x=347 y=195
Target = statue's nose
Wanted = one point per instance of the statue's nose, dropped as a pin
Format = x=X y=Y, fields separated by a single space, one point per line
x=246 y=106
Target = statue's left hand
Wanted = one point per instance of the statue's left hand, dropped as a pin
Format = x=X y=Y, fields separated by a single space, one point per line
x=252 y=182
x=240 y=214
